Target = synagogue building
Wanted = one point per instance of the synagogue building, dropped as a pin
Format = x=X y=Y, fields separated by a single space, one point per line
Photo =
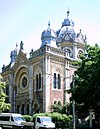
x=36 y=82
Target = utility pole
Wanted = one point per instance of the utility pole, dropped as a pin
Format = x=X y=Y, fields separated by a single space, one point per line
x=74 y=121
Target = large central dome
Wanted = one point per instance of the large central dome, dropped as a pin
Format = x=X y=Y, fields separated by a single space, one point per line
x=66 y=32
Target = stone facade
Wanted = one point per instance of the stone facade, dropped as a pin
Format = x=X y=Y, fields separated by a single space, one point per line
x=37 y=82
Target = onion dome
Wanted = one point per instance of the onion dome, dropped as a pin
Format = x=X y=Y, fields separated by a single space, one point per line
x=67 y=21
x=66 y=33
x=48 y=37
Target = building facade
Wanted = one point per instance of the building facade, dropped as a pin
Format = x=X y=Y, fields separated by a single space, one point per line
x=33 y=84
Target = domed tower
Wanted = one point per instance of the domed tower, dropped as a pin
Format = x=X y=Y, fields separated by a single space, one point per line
x=68 y=39
x=48 y=37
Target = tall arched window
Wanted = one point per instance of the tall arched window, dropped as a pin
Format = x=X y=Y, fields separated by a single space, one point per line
x=54 y=80
x=39 y=81
x=59 y=81
x=27 y=109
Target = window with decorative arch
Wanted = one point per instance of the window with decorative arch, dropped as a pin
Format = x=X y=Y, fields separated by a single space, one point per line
x=56 y=79
x=38 y=79
x=57 y=102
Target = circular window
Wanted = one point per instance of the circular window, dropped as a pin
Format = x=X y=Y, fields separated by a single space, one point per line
x=24 y=81
x=80 y=51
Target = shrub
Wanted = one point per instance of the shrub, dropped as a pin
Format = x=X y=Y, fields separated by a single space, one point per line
x=28 y=118
x=37 y=114
x=61 y=120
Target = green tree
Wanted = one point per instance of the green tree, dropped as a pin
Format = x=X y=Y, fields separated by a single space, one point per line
x=63 y=109
x=87 y=79
x=3 y=104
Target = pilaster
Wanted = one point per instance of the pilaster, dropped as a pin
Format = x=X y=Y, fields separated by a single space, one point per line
x=66 y=79
x=11 y=94
x=30 y=75
x=75 y=50
x=46 y=84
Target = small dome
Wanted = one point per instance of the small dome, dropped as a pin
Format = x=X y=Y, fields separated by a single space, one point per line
x=67 y=21
x=48 y=33
x=48 y=36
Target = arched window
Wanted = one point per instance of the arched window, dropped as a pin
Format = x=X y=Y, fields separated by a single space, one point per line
x=27 y=109
x=59 y=81
x=55 y=102
x=39 y=81
x=54 y=80
x=59 y=102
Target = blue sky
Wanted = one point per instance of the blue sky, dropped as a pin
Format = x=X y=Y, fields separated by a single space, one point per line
x=25 y=20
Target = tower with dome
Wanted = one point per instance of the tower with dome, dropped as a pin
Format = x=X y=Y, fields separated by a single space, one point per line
x=69 y=39
x=34 y=84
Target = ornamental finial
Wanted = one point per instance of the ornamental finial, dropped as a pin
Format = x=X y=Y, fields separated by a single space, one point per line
x=48 y=24
x=16 y=47
x=68 y=13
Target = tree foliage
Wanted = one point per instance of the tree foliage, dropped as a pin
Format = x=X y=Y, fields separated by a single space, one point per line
x=62 y=121
x=63 y=109
x=3 y=104
x=87 y=79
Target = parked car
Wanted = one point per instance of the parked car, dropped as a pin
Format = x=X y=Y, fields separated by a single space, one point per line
x=43 y=122
x=13 y=120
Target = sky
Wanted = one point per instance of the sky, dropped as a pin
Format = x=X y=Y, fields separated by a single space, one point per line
x=25 y=20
